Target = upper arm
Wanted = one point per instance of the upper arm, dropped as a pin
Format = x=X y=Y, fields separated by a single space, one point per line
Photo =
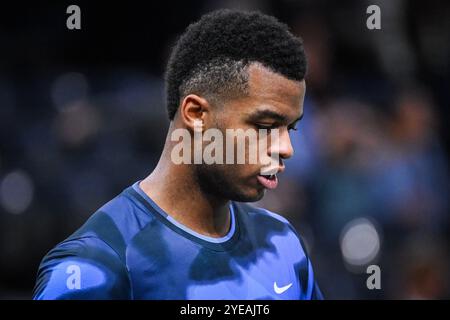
x=305 y=272
x=85 y=268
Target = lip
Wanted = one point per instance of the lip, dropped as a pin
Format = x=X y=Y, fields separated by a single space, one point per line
x=275 y=170
x=268 y=183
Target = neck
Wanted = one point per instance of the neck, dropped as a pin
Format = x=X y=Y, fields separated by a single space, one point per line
x=175 y=189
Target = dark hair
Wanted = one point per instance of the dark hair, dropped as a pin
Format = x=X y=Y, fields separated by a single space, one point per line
x=211 y=57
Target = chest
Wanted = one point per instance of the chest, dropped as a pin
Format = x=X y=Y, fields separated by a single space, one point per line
x=183 y=272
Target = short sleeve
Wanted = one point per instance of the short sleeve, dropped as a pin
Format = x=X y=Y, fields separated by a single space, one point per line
x=85 y=268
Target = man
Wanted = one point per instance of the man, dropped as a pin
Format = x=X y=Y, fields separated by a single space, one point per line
x=185 y=231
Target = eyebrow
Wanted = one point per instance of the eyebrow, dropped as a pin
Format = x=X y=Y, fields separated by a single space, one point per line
x=267 y=113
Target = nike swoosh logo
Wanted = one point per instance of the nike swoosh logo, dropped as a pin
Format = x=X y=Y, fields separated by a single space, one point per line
x=280 y=290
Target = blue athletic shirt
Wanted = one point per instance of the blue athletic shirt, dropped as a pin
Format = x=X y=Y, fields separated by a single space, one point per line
x=131 y=249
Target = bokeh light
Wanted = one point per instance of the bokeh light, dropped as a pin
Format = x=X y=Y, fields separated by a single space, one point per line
x=360 y=242
x=16 y=192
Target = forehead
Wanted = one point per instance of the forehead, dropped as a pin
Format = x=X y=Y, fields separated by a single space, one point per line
x=273 y=90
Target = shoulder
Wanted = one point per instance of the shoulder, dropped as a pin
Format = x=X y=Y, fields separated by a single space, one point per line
x=115 y=223
x=254 y=214
x=264 y=222
x=82 y=268
x=96 y=251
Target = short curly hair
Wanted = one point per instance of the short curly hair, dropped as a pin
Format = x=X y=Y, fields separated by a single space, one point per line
x=211 y=57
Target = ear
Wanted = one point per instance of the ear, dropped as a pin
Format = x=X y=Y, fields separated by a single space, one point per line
x=194 y=110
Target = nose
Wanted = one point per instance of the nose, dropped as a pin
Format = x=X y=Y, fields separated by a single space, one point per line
x=284 y=146
x=286 y=149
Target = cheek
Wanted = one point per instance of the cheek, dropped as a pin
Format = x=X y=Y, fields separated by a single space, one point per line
x=235 y=173
x=241 y=174
x=234 y=122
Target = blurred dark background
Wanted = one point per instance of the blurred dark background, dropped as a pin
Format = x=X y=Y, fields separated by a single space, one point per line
x=82 y=116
